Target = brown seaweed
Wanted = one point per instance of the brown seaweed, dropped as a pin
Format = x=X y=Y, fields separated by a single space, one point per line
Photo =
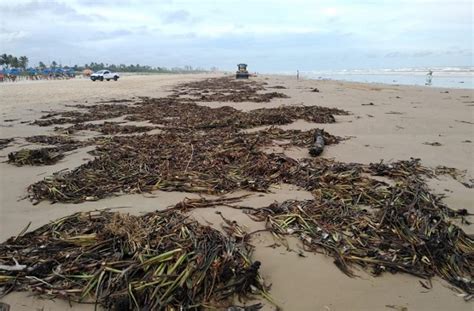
x=42 y=156
x=4 y=142
x=162 y=259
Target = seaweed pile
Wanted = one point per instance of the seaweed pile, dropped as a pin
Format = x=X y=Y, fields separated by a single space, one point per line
x=226 y=89
x=42 y=156
x=363 y=221
x=4 y=142
x=159 y=260
x=216 y=89
x=106 y=128
x=200 y=149
x=360 y=221
x=409 y=231
x=93 y=113
x=46 y=155
x=212 y=161
x=174 y=114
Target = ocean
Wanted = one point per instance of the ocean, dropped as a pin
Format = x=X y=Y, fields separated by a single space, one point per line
x=449 y=77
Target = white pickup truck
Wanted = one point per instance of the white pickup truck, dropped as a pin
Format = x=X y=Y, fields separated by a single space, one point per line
x=104 y=74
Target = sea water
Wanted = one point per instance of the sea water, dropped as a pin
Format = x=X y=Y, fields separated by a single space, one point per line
x=452 y=77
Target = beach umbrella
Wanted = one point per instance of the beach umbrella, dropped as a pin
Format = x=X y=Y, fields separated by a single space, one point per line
x=87 y=72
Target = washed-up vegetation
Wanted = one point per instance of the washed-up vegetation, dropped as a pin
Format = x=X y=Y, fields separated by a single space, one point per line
x=226 y=90
x=201 y=149
x=212 y=161
x=182 y=113
x=161 y=260
x=361 y=221
x=409 y=231
x=106 y=128
x=42 y=156
x=4 y=142
x=459 y=175
x=91 y=113
x=45 y=155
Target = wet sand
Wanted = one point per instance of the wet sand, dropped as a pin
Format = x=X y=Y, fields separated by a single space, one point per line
x=394 y=127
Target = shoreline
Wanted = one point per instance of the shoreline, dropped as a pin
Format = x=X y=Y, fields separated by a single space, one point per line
x=451 y=86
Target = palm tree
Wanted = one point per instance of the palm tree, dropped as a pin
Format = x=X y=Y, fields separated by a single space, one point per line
x=15 y=63
x=54 y=64
x=4 y=60
x=41 y=65
x=23 y=62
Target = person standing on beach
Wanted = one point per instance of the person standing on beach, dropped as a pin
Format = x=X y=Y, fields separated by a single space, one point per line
x=429 y=77
x=297 y=74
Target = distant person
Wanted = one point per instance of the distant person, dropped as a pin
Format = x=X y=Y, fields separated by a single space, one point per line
x=297 y=74
x=429 y=77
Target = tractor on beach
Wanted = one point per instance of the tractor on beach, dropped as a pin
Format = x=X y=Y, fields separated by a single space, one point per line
x=242 y=72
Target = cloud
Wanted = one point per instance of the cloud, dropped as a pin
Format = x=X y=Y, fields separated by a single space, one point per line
x=398 y=54
x=11 y=36
x=458 y=51
x=105 y=3
x=422 y=53
x=36 y=8
x=116 y=34
x=179 y=16
x=394 y=55
x=330 y=11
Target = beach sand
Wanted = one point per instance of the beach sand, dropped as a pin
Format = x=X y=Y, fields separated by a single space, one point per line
x=396 y=126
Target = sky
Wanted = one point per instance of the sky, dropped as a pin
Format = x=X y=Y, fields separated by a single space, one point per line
x=269 y=35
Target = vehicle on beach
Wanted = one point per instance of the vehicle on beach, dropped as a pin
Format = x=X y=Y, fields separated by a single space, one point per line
x=102 y=75
x=242 y=72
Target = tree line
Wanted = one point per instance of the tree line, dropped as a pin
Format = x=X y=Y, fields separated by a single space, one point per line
x=10 y=61
x=13 y=61
x=136 y=68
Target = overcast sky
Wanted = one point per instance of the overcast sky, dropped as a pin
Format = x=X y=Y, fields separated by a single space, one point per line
x=269 y=35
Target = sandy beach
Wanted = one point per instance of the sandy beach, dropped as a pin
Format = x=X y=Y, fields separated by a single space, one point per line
x=386 y=122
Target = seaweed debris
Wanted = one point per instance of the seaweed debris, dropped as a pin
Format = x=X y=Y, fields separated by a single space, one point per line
x=212 y=161
x=435 y=144
x=172 y=113
x=106 y=128
x=226 y=89
x=408 y=232
x=216 y=89
x=42 y=156
x=93 y=113
x=4 y=142
x=399 y=228
x=200 y=149
x=177 y=114
x=360 y=221
x=46 y=155
x=456 y=174
x=160 y=260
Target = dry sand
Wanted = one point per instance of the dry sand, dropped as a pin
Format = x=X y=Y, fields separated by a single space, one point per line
x=396 y=126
